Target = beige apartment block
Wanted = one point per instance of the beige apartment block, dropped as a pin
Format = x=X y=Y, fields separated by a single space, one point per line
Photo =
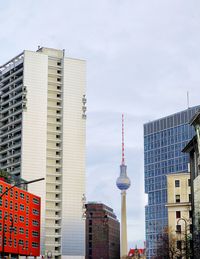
x=179 y=211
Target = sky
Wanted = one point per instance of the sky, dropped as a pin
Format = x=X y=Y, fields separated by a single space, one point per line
x=143 y=56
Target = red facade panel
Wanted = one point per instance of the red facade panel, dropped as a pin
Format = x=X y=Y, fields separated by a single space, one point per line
x=19 y=222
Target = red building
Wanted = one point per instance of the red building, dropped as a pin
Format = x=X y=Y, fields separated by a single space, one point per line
x=137 y=253
x=19 y=222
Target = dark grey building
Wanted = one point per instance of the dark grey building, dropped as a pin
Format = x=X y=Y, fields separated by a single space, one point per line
x=102 y=232
x=164 y=140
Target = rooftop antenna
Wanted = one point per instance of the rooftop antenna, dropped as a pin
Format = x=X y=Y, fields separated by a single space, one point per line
x=188 y=103
x=123 y=159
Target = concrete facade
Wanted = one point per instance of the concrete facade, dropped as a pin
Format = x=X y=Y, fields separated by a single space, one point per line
x=42 y=134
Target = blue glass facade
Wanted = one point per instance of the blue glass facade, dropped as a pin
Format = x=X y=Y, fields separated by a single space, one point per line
x=163 y=141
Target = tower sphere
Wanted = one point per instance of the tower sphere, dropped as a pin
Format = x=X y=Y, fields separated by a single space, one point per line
x=123 y=183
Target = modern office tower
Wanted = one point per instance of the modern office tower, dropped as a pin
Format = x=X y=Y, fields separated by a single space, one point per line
x=102 y=232
x=163 y=141
x=42 y=134
x=123 y=183
x=179 y=213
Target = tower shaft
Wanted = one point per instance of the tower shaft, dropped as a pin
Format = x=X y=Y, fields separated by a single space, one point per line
x=123 y=226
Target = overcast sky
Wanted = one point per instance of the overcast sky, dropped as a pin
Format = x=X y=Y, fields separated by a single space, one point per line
x=142 y=58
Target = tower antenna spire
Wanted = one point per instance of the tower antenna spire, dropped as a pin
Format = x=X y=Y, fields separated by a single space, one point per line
x=188 y=100
x=123 y=158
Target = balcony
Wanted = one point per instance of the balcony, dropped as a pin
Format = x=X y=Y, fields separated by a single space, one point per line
x=55 y=217
x=15 y=89
x=10 y=157
x=14 y=136
x=54 y=191
x=53 y=200
x=17 y=81
x=11 y=123
x=15 y=112
x=55 y=244
x=9 y=107
x=11 y=74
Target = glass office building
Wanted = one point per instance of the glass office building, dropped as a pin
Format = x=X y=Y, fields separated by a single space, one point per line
x=163 y=141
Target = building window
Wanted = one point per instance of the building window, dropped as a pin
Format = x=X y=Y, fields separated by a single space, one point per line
x=15 y=218
x=190 y=198
x=177 y=183
x=190 y=214
x=21 y=218
x=21 y=242
x=5 y=228
x=35 y=223
x=178 y=198
x=21 y=195
x=189 y=182
x=36 y=201
x=178 y=228
x=21 y=230
x=178 y=244
x=178 y=214
x=21 y=207
x=35 y=233
x=34 y=244
x=35 y=212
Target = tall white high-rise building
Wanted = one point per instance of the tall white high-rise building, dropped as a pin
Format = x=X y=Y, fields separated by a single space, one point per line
x=42 y=134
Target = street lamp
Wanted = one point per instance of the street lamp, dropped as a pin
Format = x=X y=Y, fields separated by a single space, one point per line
x=1 y=196
x=18 y=184
x=11 y=229
x=186 y=235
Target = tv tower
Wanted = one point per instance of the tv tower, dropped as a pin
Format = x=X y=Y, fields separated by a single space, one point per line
x=123 y=183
